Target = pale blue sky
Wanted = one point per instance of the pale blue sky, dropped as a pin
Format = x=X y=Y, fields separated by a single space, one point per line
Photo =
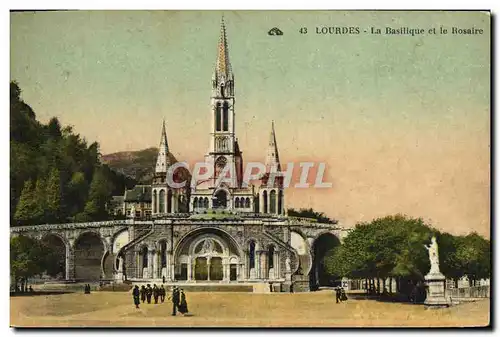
x=402 y=122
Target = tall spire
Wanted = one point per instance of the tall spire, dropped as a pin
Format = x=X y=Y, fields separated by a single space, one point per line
x=223 y=66
x=272 y=158
x=163 y=161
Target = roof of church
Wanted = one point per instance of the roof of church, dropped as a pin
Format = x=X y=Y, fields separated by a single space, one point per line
x=223 y=66
x=273 y=158
x=140 y=193
x=163 y=161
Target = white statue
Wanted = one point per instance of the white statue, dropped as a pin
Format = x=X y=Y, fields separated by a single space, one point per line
x=433 y=255
x=287 y=265
x=120 y=263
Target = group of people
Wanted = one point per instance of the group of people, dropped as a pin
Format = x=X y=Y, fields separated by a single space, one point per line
x=87 y=289
x=156 y=293
x=340 y=295
x=178 y=297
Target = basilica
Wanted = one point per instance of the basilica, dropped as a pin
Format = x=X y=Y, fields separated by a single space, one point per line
x=213 y=231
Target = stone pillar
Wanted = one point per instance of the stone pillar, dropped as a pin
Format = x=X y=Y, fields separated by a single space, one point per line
x=138 y=267
x=190 y=269
x=226 y=271
x=155 y=264
x=150 y=263
x=70 y=260
x=167 y=269
x=257 y=264
x=208 y=268
x=277 y=273
x=264 y=268
x=261 y=203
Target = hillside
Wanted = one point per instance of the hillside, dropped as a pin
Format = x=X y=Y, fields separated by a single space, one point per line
x=135 y=164
x=138 y=165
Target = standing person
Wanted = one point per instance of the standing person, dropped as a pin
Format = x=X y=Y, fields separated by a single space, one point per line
x=175 y=300
x=163 y=279
x=156 y=293
x=343 y=296
x=136 y=294
x=149 y=292
x=143 y=293
x=337 y=294
x=183 y=307
x=162 y=293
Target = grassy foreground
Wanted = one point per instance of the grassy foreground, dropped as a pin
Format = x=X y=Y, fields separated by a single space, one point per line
x=316 y=309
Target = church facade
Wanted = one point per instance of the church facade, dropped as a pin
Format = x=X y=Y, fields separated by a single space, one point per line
x=217 y=230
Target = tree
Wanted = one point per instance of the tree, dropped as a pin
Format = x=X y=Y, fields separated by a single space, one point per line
x=53 y=196
x=27 y=258
x=474 y=253
x=310 y=213
x=62 y=166
x=99 y=195
x=392 y=246
x=26 y=204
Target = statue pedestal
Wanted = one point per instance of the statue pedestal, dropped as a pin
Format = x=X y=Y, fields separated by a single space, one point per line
x=119 y=277
x=436 y=283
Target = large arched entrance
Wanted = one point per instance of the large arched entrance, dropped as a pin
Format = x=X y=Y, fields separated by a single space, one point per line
x=89 y=251
x=322 y=246
x=57 y=259
x=207 y=255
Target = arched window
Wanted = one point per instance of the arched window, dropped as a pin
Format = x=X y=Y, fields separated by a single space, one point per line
x=218 y=117
x=195 y=202
x=280 y=202
x=265 y=201
x=251 y=255
x=220 y=199
x=270 y=257
x=163 y=251
x=154 y=201
x=272 y=202
x=162 y=201
x=247 y=203
x=144 y=254
x=205 y=202
x=225 y=118
x=169 y=201
x=237 y=203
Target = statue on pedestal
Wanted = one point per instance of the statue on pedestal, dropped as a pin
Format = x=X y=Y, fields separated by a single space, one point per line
x=287 y=265
x=433 y=255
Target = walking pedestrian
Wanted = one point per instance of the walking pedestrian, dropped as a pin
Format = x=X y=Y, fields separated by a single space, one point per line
x=175 y=300
x=183 y=307
x=162 y=293
x=143 y=294
x=149 y=293
x=156 y=293
x=136 y=294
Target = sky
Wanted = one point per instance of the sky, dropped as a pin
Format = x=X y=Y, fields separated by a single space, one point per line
x=402 y=122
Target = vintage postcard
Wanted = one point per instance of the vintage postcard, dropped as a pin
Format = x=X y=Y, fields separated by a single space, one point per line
x=250 y=168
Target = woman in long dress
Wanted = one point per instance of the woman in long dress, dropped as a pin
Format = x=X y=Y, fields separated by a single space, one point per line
x=183 y=307
x=136 y=294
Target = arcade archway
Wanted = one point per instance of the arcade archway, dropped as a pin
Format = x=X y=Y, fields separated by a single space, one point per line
x=89 y=251
x=207 y=255
x=319 y=276
x=57 y=248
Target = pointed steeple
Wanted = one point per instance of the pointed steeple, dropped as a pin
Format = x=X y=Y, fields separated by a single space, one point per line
x=272 y=158
x=163 y=161
x=223 y=66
